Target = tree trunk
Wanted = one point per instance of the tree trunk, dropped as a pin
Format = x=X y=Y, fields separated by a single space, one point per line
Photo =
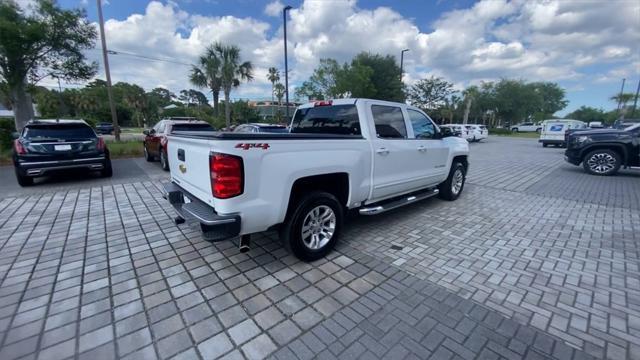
x=467 y=109
x=216 y=100
x=22 y=105
x=227 y=108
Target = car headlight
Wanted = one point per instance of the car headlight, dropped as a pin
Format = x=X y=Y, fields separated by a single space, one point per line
x=582 y=138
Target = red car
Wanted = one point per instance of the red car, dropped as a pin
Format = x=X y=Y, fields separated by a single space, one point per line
x=155 y=140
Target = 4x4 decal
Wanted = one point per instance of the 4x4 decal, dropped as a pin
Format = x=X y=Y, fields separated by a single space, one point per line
x=247 y=146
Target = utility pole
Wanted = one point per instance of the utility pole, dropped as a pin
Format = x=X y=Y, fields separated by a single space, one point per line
x=286 y=65
x=635 y=100
x=114 y=116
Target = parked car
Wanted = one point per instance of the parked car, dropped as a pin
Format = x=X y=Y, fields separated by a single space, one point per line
x=459 y=131
x=104 y=128
x=47 y=146
x=604 y=151
x=554 y=131
x=527 y=127
x=155 y=140
x=478 y=132
x=261 y=128
x=596 y=125
x=363 y=154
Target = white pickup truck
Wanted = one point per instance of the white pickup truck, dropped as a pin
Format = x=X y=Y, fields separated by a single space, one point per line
x=342 y=154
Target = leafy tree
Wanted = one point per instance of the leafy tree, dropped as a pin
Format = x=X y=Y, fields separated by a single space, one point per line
x=382 y=82
x=208 y=73
x=356 y=81
x=470 y=94
x=322 y=83
x=553 y=99
x=429 y=94
x=587 y=114
x=193 y=97
x=232 y=72
x=274 y=77
x=44 y=41
x=161 y=96
x=241 y=112
x=623 y=98
x=278 y=91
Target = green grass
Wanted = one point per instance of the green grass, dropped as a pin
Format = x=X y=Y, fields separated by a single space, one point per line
x=125 y=149
x=129 y=130
x=527 y=135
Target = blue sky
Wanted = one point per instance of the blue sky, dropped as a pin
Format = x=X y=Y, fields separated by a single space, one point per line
x=585 y=46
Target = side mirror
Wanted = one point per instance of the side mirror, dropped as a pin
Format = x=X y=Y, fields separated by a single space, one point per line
x=445 y=132
x=15 y=135
x=146 y=132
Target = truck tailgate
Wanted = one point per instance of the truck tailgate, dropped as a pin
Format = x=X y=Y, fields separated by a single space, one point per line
x=189 y=165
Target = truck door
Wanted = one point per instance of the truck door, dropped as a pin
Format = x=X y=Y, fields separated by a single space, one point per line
x=394 y=157
x=432 y=152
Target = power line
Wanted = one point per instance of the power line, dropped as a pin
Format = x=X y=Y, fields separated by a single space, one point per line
x=167 y=60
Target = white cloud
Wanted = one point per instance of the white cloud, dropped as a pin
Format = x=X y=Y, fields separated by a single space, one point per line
x=274 y=8
x=551 y=40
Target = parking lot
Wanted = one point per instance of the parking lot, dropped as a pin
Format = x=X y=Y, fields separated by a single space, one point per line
x=536 y=260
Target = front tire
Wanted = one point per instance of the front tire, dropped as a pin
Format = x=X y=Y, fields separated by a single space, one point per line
x=451 y=188
x=602 y=162
x=313 y=228
x=545 y=144
x=107 y=171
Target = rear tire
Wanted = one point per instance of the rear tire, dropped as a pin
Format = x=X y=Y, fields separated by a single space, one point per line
x=545 y=144
x=320 y=215
x=147 y=156
x=107 y=171
x=451 y=188
x=602 y=162
x=164 y=162
x=24 y=180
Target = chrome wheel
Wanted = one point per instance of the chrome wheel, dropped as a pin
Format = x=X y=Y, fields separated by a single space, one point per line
x=601 y=163
x=457 y=181
x=318 y=227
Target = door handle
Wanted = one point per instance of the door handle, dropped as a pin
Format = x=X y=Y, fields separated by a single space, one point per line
x=382 y=151
x=422 y=148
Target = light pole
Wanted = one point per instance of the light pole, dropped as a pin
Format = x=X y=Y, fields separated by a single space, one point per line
x=286 y=65
x=402 y=62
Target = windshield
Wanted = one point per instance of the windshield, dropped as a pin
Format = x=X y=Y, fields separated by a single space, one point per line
x=58 y=132
x=273 y=129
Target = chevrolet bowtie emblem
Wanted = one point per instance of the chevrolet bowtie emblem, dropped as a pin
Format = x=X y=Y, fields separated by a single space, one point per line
x=183 y=169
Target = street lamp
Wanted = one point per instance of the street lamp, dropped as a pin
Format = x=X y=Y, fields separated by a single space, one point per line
x=286 y=65
x=401 y=62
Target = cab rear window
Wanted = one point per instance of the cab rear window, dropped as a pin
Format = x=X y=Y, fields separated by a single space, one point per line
x=58 y=131
x=192 y=127
x=335 y=119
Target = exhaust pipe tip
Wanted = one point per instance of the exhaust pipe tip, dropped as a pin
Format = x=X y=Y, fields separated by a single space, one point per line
x=244 y=244
x=244 y=248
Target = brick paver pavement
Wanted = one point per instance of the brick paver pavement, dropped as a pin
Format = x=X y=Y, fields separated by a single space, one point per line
x=104 y=273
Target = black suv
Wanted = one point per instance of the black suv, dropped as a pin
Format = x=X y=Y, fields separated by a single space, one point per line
x=604 y=151
x=45 y=146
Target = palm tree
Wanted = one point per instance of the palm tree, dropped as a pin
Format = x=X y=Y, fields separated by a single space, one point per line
x=470 y=94
x=273 y=76
x=232 y=71
x=207 y=74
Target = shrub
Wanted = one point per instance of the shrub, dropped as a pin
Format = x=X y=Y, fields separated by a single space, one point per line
x=7 y=128
x=499 y=131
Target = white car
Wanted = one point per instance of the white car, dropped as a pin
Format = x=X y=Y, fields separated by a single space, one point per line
x=478 y=132
x=554 y=131
x=363 y=154
x=527 y=127
x=460 y=130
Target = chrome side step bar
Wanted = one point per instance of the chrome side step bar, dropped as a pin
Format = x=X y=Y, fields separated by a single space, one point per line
x=384 y=206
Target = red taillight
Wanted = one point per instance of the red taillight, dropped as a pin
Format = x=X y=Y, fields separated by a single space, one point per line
x=323 y=103
x=100 y=146
x=226 y=175
x=20 y=149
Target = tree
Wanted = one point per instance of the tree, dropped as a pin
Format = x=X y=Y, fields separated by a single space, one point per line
x=429 y=94
x=161 y=96
x=587 y=114
x=193 y=97
x=44 y=41
x=382 y=82
x=274 y=77
x=232 y=72
x=278 y=91
x=208 y=73
x=552 y=96
x=322 y=83
x=622 y=100
x=356 y=81
x=470 y=94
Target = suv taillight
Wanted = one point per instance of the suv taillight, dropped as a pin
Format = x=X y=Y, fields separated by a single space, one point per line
x=20 y=149
x=227 y=175
x=100 y=145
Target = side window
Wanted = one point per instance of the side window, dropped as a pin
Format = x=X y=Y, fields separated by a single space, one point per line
x=161 y=127
x=389 y=122
x=423 y=128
